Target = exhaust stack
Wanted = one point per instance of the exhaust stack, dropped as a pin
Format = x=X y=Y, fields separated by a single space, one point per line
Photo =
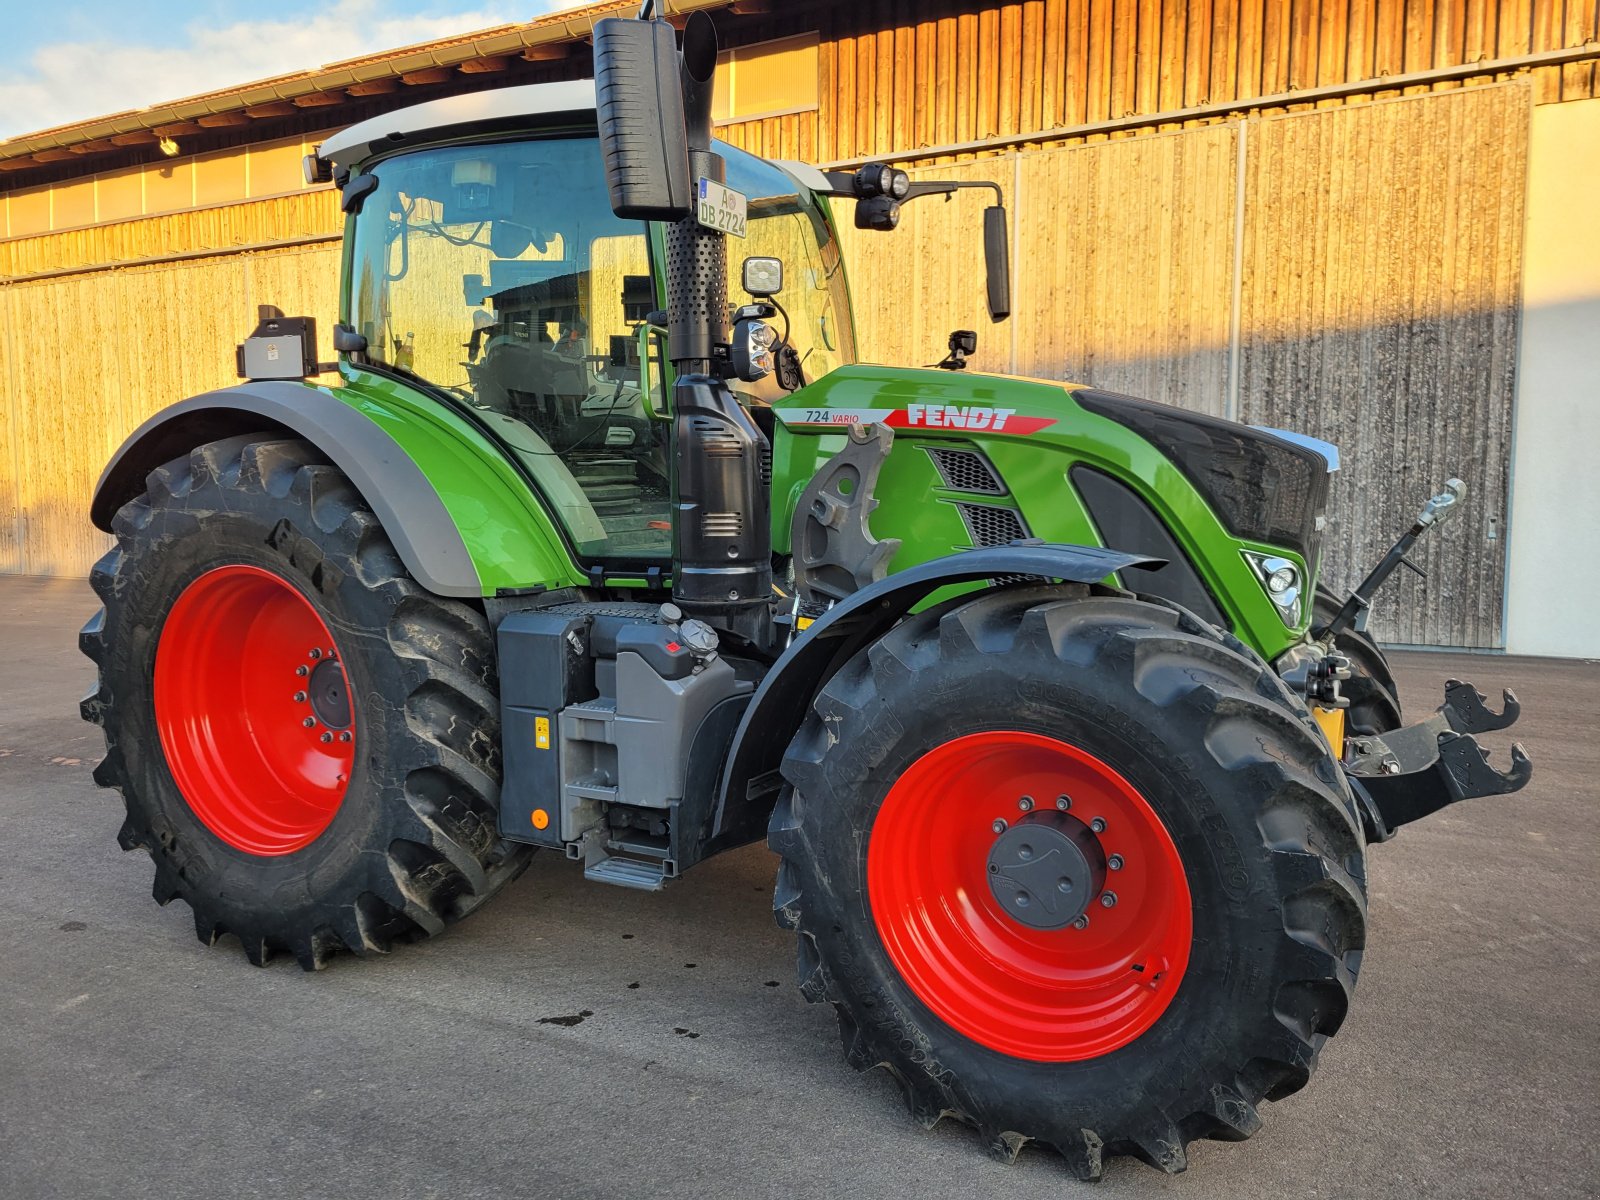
x=721 y=526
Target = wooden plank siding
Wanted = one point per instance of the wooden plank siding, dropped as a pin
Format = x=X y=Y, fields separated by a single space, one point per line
x=1380 y=298
x=90 y=356
x=894 y=82
x=1378 y=301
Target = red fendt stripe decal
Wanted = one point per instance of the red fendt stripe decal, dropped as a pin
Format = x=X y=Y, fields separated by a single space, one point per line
x=975 y=418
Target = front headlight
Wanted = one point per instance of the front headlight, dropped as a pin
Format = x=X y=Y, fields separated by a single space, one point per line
x=1280 y=579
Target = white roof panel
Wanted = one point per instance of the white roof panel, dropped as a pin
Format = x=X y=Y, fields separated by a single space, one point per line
x=351 y=146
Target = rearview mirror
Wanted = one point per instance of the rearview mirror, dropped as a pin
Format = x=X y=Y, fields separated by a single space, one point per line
x=640 y=107
x=997 y=262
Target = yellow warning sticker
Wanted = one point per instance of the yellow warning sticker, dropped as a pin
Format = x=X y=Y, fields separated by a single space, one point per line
x=803 y=622
x=541 y=732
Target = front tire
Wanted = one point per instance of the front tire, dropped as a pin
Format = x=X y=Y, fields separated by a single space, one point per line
x=305 y=740
x=1240 y=907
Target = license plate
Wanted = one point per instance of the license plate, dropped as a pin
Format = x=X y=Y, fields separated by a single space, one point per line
x=720 y=208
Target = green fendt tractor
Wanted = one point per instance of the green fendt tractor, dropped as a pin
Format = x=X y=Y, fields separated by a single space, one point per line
x=1069 y=763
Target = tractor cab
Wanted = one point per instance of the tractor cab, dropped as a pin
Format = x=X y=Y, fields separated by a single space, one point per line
x=493 y=272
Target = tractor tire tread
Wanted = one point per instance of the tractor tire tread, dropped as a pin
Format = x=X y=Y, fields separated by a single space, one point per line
x=442 y=856
x=1308 y=826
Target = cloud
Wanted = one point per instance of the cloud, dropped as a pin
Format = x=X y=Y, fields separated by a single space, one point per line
x=70 y=81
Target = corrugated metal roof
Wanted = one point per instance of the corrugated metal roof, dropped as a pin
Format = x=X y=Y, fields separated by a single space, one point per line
x=501 y=41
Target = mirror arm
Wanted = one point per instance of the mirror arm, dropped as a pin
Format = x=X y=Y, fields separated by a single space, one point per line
x=842 y=184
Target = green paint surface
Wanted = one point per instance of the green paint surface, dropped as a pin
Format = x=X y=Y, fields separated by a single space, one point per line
x=507 y=530
x=917 y=508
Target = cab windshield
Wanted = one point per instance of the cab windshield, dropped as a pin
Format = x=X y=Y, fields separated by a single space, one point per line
x=498 y=274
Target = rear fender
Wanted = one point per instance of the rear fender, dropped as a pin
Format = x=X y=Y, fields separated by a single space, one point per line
x=750 y=781
x=433 y=526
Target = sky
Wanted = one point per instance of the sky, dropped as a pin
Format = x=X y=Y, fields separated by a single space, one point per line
x=68 y=60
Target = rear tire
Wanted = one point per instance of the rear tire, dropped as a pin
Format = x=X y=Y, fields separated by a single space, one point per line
x=1236 y=778
x=406 y=840
x=1373 y=693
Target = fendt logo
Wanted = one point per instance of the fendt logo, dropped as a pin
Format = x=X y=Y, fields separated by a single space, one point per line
x=958 y=416
x=970 y=417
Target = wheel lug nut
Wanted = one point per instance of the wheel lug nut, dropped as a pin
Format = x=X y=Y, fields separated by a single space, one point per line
x=299 y=697
x=1108 y=900
x=309 y=722
x=315 y=654
x=1098 y=825
x=999 y=825
x=1115 y=862
x=1063 y=802
x=345 y=736
x=1081 y=923
x=302 y=670
x=1025 y=804
x=326 y=736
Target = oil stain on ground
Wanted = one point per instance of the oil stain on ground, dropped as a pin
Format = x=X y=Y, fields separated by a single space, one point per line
x=569 y=1020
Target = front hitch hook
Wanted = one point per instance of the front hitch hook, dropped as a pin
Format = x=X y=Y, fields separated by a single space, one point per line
x=1407 y=774
x=1466 y=711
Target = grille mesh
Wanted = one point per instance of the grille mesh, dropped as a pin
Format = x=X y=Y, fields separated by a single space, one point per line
x=966 y=471
x=722 y=524
x=992 y=525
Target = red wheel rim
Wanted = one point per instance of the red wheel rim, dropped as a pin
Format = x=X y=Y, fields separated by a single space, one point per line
x=1048 y=995
x=248 y=695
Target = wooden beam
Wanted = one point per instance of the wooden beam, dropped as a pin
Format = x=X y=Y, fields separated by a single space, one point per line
x=426 y=76
x=94 y=146
x=18 y=164
x=176 y=129
x=374 y=87
x=319 y=99
x=750 y=8
x=138 y=137
x=484 y=66
x=223 y=120
x=54 y=155
x=274 y=108
x=547 y=52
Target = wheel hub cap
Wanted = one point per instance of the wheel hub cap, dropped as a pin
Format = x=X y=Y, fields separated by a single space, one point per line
x=1045 y=871
x=330 y=698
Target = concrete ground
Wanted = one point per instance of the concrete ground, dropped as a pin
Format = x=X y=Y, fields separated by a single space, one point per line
x=134 y=1062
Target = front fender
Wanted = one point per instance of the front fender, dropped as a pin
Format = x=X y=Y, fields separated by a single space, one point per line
x=458 y=532
x=750 y=781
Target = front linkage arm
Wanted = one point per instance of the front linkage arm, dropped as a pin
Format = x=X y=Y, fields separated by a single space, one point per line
x=1410 y=773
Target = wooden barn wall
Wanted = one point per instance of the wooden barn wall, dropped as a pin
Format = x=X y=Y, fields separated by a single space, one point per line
x=898 y=74
x=84 y=359
x=1379 y=309
x=1375 y=295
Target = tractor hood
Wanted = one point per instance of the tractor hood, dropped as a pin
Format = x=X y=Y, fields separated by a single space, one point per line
x=984 y=459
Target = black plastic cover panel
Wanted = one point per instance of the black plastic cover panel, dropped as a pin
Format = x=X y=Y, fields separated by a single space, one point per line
x=1126 y=522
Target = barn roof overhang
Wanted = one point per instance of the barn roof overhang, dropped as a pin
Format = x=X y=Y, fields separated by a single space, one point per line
x=546 y=40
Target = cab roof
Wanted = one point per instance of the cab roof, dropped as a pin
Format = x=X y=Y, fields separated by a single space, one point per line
x=494 y=108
